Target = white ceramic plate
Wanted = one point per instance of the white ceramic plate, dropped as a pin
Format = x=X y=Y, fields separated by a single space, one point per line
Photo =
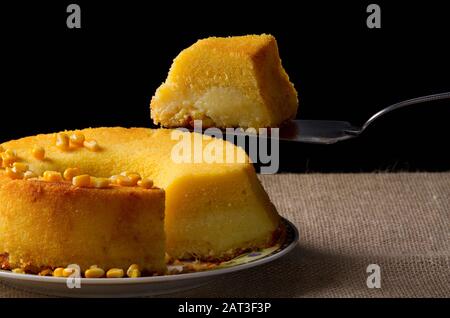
x=147 y=286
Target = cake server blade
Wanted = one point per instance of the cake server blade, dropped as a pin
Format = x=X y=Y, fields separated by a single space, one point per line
x=304 y=131
x=317 y=131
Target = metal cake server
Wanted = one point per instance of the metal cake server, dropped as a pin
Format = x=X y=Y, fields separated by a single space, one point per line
x=330 y=131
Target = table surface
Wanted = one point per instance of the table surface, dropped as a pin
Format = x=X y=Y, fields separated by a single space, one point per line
x=398 y=221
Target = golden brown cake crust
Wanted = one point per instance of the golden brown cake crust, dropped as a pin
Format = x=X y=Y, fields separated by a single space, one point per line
x=47 y=224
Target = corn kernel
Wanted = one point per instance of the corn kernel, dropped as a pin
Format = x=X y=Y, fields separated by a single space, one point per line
x=8 y=158
x=114 y=178
x=82 y=181
x=52 y=176
x=133 y=271
x=13 y=173
x=58 y=272
x=122 y=181
x=62 y=141
x=1 y=148
x=91 y=145
x=100 y=183
x=134 y=177
x=145 y=183
x=94 y=272
x=20 y=166
x=115 y=273
x=38 y=152
x=77 y=139
x=46 y=272
x=18 y=271
x=66 y=272
x=70 y=173
x=29 y=175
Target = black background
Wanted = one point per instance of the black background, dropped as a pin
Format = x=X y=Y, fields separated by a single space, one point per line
x=105 y=73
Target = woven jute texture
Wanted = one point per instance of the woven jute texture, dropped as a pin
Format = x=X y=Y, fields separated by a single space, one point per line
x=399 y=221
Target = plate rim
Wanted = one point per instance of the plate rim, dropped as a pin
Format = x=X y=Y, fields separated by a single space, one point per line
x=164 y=278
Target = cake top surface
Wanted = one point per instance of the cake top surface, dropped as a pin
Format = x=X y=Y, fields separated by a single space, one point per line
x=246 y=44
x=148 y=152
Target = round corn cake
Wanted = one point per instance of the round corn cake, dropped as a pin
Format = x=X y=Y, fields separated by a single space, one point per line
x=213 y=211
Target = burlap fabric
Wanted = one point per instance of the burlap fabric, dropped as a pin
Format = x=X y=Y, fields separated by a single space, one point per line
x=399 y=221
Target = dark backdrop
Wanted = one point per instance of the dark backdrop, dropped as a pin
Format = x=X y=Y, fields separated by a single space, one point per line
x=105 y=73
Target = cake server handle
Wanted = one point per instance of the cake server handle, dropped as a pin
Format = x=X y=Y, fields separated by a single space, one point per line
x=330 y=131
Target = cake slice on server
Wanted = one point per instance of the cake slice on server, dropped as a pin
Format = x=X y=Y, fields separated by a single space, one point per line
x=226 y=82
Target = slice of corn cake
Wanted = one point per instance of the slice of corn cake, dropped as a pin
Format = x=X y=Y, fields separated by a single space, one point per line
x=226 y=82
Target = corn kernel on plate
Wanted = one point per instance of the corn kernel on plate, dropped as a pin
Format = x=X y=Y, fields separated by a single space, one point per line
x=181 y=275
